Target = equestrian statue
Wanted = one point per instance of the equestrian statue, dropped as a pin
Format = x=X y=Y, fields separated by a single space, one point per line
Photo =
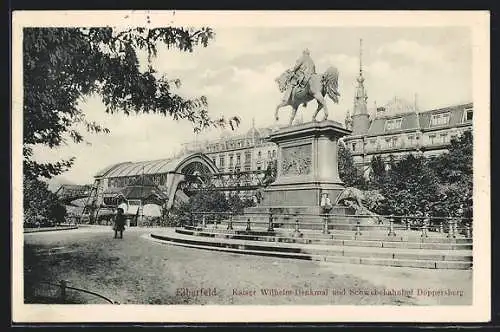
x=301 y=84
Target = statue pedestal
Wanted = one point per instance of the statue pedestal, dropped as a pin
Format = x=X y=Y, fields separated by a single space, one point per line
x=307 y=165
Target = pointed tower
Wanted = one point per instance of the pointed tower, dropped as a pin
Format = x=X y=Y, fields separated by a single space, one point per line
x=360 y=116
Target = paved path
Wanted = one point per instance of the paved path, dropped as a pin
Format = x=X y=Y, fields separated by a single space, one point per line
x=141 y=271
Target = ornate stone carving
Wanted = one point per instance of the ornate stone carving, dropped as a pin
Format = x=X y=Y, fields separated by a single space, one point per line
x=296 y=160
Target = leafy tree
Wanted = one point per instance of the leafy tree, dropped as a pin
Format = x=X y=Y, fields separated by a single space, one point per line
x=410 y=186
x=207 y=200
x=57 y=212
x=455 y=173
x=237 y=204
x=440 y=186
x=378 y=171
x=456 y=164
x=348 y=173
x=40 y=204
x=64 y=65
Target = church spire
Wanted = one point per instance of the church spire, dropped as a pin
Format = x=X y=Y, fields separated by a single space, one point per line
x=360 y=117
x=361 y=88
x=360 y=60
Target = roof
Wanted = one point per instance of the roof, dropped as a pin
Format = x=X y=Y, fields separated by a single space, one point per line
x=141 y=167
x=456 y=115
x=421 y=120
x=159 y=166
x=103 y=171
x=408 y=121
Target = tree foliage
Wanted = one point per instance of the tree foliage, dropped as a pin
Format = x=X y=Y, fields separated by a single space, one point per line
x=456 y=164
x=348 y=173
x=441 y=186
x=455 y=172
x=409 y=186
x=64 y=65
x=40 y=204
x=378 y=171
x=209 y=200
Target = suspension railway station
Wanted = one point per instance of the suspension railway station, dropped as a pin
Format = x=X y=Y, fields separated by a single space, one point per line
x=145 y=190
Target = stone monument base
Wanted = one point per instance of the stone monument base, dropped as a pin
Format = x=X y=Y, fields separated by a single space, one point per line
x=300 y=194
x=307 y=169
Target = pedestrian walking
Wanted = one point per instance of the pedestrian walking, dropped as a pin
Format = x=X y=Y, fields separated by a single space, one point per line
x=119 y=226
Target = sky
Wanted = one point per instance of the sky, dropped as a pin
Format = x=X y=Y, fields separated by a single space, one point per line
x=236 y=73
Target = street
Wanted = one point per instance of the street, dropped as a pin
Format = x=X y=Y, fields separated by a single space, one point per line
x=137 y=270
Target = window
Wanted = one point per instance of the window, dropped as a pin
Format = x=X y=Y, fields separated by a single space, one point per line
x=467 y=115
x=238 y=159
x=213 y=160
x=432 y=138
x=268 y=154
x=440 y=119
x=231 y=161
x=353 y=146
x=411 y=139
x=248 y=158
x=259 y=168
x=221 y=161
x=393 y=124
x=274 y=153
x=391 y=142
x=259 y=155
x=443 y=138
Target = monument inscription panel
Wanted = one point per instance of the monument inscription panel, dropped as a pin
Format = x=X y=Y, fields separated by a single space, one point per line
x=296 y=160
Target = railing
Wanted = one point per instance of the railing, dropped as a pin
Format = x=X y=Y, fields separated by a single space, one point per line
x=453 y=227
x=45 y=292
x=231 y=181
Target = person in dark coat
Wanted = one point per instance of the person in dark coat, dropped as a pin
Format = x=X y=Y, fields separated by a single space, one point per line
x=119 y=223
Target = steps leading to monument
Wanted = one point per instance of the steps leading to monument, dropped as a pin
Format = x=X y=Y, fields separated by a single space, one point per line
x=346 y=238
x=427 y=257
x=344 y=246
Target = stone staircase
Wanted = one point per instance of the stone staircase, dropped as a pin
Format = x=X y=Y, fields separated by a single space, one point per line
x=405 y=249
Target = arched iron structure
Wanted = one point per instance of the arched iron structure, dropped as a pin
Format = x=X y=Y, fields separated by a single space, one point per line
x=177 y=178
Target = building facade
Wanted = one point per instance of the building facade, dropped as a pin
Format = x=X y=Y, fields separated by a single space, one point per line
x=399 y=128
x=237 y=153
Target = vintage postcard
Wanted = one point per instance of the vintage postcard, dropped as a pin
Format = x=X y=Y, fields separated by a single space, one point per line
x=183 y=166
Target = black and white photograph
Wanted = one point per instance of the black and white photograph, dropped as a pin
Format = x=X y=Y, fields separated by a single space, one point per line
x=257 y=166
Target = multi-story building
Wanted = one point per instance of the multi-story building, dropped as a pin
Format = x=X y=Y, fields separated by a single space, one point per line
x=400 y=127
x=234 y=153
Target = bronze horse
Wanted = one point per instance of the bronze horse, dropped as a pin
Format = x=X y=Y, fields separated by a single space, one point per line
x=317 y=88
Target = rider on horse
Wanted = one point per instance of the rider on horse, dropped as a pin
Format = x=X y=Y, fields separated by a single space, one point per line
x=301 y=73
